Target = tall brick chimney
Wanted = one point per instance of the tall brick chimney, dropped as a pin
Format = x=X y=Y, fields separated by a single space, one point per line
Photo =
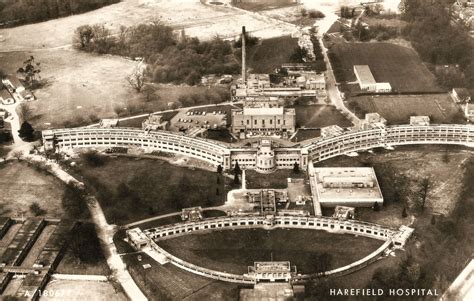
x=244 y=57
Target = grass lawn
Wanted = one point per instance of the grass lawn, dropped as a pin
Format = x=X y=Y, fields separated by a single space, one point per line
x=305 y=134
x=21 y=185
x=234 y=250
x=400 y=66
x=82 y=290
x=219 y=135
x=152 y=187
x=270 y=54
x=318 y=116
x=397 y=109
x=277 y=179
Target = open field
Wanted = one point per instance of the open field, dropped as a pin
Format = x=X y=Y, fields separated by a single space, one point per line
x=400 y=66
x=78 y=290
x=233 y=251
x=202 y=21
x=79 y=85
x=155 y=187
x=79 y=100
x=21 y=185
x=270 y=54
x=318 y=116
x=397 y=109
x=277 y=179
x=305 y=134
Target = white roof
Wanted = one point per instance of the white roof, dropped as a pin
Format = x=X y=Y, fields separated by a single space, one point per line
x=263 y=111
x=385 y=86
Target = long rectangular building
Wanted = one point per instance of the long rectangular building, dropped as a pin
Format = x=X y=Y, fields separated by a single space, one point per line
x=341 y=186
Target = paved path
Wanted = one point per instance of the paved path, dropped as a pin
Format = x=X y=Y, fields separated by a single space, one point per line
x=332 y=89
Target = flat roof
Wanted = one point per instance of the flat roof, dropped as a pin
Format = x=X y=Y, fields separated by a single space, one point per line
x=263 y=111
x=350 y=175
x=364 y=74
x=5 y=94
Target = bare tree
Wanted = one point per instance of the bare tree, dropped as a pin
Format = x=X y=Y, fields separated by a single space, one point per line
x=18 y=155
x=30 y=71
x=137 y=79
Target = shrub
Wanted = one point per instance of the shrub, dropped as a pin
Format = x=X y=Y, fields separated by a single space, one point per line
x=315 y=14
x=36 y=209
x=93 y=159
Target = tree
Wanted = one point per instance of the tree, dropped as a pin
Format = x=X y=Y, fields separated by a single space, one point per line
x=219 y=169
x=93 y=159
x=376 y=206
x=237 y=170
x=296 y=168
x=74 y=201
x=82 y=37
x=149 y=92
x=36 y=209
x=236 y=179
x=299 y=55
x=26 y=131
x=85 y=244
x=24 y=111
x=423 y=193
x=30 y=72
x=136 y=80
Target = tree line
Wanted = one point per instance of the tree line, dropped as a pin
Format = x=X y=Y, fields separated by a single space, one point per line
x=436 y=39
x=17 y=12
x=171 y=58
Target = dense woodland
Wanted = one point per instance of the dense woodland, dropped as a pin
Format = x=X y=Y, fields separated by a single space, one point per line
x=16 y=12
x=436 y=38
x=171 y=59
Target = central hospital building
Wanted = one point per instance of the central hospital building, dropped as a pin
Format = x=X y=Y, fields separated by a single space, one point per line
x=263 y=121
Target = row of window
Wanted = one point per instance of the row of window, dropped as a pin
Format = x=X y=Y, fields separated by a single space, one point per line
x=379 y=232
x=278 y=122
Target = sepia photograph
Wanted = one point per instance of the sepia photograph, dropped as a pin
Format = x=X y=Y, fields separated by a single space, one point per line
x=236 y=150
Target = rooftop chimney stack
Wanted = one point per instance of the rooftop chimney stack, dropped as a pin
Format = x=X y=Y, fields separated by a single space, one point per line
x=244 y=58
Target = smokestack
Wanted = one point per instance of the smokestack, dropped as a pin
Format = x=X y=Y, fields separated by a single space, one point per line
x=244 y=57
